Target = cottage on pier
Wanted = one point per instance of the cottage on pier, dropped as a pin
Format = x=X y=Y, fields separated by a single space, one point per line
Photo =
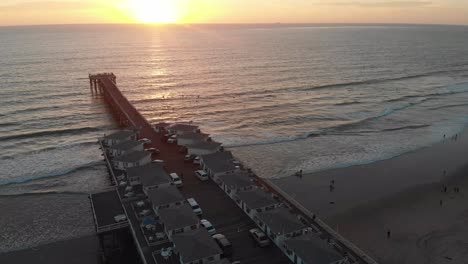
x=132 y=159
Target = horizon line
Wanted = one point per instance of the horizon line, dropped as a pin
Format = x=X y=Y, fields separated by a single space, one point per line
x=241 y=24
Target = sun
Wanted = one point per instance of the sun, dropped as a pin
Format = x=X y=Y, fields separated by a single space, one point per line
x=155 y=11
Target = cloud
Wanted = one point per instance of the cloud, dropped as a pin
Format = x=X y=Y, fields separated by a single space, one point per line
x=395 y=4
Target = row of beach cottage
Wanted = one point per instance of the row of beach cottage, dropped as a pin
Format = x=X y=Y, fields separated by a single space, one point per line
x=164 y=215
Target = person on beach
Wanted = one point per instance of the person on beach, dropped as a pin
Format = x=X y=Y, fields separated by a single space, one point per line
x=440 y=202
x=389 y=234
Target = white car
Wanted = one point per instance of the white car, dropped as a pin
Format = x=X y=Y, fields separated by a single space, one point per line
x=202 y=175
x=152 y=150
x=209 y=227
x=158 y=161
x=196 y=160
x=145 y=212
x=171 y=140
x=195 y=207
x=175 y=179
x=260 y=237
x=120 y=218
x=145 y=141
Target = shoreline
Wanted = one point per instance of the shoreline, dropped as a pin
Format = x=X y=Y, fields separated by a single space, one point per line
x=402 y=194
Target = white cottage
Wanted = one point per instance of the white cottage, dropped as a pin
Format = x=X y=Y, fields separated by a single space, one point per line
x=150 y=176
x=203 y=148
x=236 y=182
x=219 y=163
x=255 y=201
x=178 y=219
x=196 y=247
x=132 y=159
x=181 y=129
x=119 y=136
x=165 y=197
x=191 y=138
x=125 y=147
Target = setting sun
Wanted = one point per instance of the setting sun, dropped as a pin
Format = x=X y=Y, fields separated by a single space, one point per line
x=155 y=11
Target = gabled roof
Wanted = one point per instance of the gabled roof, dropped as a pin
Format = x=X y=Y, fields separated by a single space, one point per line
x=281 y=221
x=165 y=195
x=120 y=135
x=196 y=244
x=151 y=174
x=178 y=217
x=237 y=180
x=182 y=127
x=208 y=145
x=219 y=161
x=133 y=156
x=256 y=198
x=126 y=145
x=311 y=249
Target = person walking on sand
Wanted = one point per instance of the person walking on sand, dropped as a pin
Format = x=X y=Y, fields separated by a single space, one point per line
x=389 y=234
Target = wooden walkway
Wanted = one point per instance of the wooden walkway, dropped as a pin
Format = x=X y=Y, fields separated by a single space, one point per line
x=127 y=116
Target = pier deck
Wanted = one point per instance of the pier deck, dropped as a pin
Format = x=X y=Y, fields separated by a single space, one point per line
x=217 y=207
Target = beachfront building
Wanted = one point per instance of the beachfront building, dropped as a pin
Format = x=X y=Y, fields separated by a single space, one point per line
x=191 y=138
x=280 y=224
x=178 y=219
x=235 y=182
x=181 y=129
x=255 y=201
x=132 y=159
x=125 y=147
x=119 y=136
x=310 y=249
x=165 y=197
x=203 y=148
x=219 y=163
x=150 y=176
x=196 y=247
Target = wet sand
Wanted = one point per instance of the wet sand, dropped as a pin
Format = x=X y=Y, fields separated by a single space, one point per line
x=401 y=194
x=73 y=251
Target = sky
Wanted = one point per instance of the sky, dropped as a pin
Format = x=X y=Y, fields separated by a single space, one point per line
x=38 y=12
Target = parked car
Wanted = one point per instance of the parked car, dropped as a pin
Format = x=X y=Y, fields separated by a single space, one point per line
x=189 y=158
x=196 y=160
x=176 y=179
x=145 y=140
x=120 y=218
x=171 y=140
x=195 y=207
x=209 y=227
x=145 y=212
x=202 y=175
x=224 y=244
x=153 y=150
x=260 y=237
x=158 y=161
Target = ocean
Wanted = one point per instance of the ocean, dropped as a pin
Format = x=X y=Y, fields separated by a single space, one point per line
x=282 y=98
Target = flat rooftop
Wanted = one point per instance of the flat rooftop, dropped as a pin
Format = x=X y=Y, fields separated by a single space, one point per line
x=281 y=221
x=312 y=249
x=151 y=174
x=237 y=180
x=219 y=161
x=256 y=198
x=178 y=217
x=195 y=245
x=106 y=205
x=133 y=156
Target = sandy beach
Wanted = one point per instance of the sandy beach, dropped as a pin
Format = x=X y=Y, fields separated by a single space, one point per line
x=403 y=195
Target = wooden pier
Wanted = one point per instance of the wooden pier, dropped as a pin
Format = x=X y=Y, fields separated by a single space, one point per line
x=129 y=117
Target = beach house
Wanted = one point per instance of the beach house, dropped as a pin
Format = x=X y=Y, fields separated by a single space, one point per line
x=150 y=176
x=181 y=129
x=132 y=159
x=219 y=163
x=196 y=247
x=235 y=182
x=165 y=197
x=309 y=249
x=161 y=127
x=119 y=136
x=255 y=201
x=280 y=224
x=178 y=219
x=191 y=138
x=125 y=147
x=203 y=148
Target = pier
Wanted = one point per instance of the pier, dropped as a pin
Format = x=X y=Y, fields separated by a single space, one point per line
x=223 y=210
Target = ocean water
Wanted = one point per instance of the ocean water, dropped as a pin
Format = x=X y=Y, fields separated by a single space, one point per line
x=282 y=98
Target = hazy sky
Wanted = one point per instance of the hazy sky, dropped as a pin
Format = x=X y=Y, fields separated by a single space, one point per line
x=27 y=12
